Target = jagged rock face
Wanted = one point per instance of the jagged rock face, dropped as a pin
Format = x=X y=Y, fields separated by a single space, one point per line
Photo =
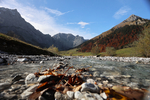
x=11 y=23
x=68 y=40
x=132 y=18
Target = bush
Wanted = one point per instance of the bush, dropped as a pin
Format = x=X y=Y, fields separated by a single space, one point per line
x=143 y=45
x=53 y=49
x=95 y=50
x=111 y=51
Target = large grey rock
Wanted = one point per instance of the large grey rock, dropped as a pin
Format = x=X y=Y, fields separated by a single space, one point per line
x=90 y=87
x=42 y=78
x=31 y=78
x=29 y=91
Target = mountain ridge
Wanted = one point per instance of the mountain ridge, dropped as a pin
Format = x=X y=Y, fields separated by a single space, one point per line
x=131 y=20
x=120 y=35
x=12 y=24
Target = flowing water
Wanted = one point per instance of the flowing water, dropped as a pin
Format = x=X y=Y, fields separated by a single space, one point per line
x=139 y=73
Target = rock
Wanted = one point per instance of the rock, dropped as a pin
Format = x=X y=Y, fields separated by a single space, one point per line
x=31 y=78
x=105 y=82
x=78 y=95
x=21 y=81
x=43 y=78
x=103 y=95
x=58 y=96
x=17 y=78
x=90 y=87
x=41 y=98
x=49 y=94
x=3 y=61
x=96 y=74
x=91 y=81
x=70 y=94
x=10 y=96
x=97 y=96
x=29 y=91
x=88 y=96
x=22 y=59
x=4 y=86
x=41 y=62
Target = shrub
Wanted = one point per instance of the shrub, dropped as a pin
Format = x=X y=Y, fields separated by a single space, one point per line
x=143 y=45
x=95 y=50
x=111 y=51
x=53 y=49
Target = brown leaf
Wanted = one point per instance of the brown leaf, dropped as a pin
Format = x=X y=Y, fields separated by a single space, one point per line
x=112 y=95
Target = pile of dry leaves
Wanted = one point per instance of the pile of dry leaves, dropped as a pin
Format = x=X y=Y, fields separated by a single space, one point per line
x=63 y=83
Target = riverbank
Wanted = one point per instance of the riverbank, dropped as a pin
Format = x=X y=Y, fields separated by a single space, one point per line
x=104 y=72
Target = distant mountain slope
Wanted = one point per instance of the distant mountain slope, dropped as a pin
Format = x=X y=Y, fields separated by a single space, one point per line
x=122 y=34
x=67 y=41
x=12 y=24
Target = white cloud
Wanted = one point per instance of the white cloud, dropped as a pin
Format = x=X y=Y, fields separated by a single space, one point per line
x=53 y=11
x=122 y=11
x=83 y=24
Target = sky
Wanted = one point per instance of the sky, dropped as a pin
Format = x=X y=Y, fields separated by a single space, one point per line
x=87 y=18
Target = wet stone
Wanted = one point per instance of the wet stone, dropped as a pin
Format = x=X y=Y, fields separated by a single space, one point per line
x=5 y=85
x=31 y=78
x=78 y=95
x=49 y=94
x=17 y=78
x=90 y=87
x=43 y=78
x=70 y=94
x=96 y=74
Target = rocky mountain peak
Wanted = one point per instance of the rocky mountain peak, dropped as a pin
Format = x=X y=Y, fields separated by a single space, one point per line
x=132 y=18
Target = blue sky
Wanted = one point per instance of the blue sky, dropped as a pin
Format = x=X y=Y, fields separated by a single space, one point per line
x=87 y=18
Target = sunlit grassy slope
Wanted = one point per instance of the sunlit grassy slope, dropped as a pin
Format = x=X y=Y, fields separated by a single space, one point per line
x=126 y=52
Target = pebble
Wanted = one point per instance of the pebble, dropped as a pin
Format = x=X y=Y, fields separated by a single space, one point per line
x=17 y=78
x=31 y=78
x=103 y=95
x=58 y=96
x=91 y=81
x=96 y=74
x=70 y=94
x=90 y=87
x=97 y=96
x=78 y=95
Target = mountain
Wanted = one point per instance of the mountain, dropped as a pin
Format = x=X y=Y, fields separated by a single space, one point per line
x=67 y=41
x=12 y=24
x=119 y=36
